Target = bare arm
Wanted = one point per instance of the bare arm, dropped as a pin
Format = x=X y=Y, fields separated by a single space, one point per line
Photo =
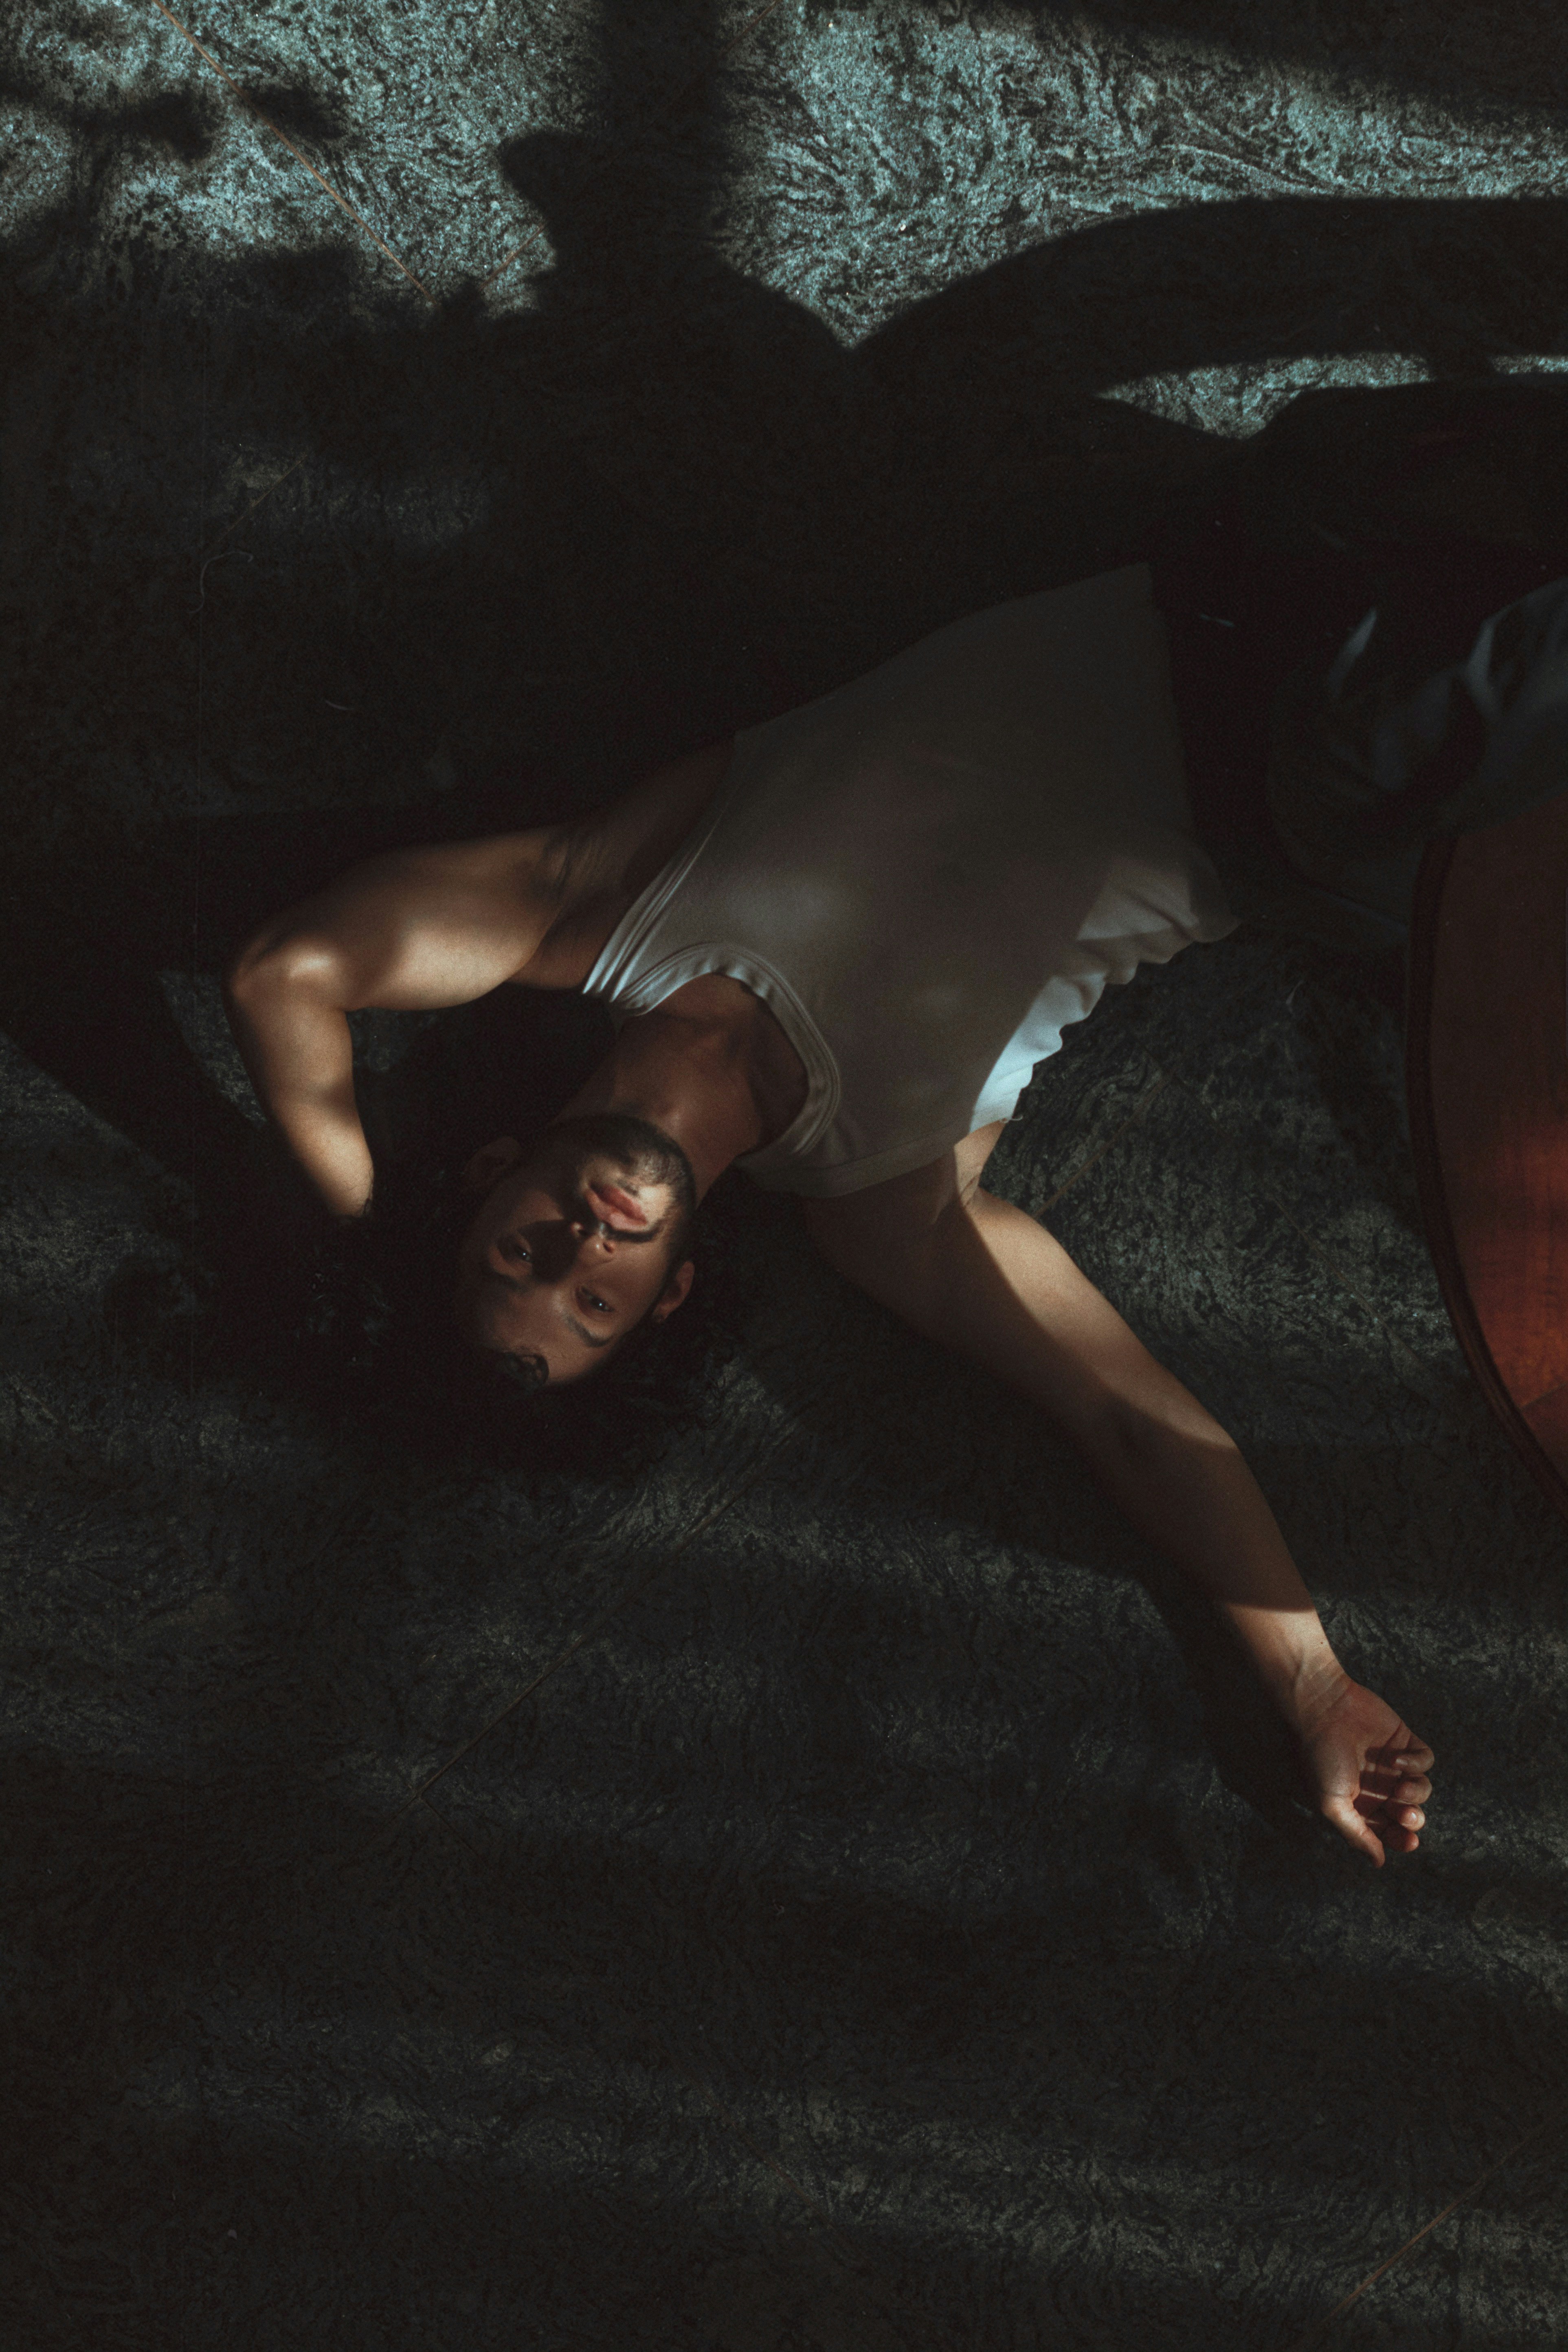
x=983 y=1278
x=419 y=929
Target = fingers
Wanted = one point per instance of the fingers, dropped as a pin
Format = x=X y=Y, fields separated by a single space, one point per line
x=1397 y=1765
x=1396 y=1796
x=1378 y=1810
x=1396 y=1774
x=1396 y=1803
x=1374 y=1791
x=1357 y=1832
x=1396 y=1800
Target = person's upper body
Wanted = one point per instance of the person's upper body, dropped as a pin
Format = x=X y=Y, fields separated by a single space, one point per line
x=835 y=949
x=926 y=875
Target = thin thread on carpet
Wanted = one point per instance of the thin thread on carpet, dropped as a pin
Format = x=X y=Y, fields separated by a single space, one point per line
x=595 y=1626
x=260 y=500
x=502 y=266
x=28 y=1396
x=750 y=26
x=1316 y=2334
x=251 y=108
x=239 y=554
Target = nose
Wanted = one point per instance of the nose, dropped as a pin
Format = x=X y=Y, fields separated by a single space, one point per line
x=586 y=1221
x=557 y=1251
x=583 y=1241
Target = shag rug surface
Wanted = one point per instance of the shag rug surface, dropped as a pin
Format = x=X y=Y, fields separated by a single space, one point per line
x=829 y=1890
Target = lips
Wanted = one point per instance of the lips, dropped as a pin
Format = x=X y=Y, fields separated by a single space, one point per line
x=615 y=1209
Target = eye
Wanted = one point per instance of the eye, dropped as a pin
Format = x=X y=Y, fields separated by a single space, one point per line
x=600 y=1305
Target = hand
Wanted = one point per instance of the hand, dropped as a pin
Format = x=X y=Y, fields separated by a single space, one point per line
x=1367 y=1768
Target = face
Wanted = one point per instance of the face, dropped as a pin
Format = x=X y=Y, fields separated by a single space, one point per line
x=573 y=1243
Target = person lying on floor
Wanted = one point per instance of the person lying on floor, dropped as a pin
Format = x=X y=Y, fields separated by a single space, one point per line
x=835 y=949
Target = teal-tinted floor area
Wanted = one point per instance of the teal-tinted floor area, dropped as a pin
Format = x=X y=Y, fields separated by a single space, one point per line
x=832 y=1893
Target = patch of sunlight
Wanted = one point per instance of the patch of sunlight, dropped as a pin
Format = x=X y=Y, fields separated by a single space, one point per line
x=1238 y=399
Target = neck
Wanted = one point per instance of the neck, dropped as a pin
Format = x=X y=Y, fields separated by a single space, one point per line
x=690 y=1075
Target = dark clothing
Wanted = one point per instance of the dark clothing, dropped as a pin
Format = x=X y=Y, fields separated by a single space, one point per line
x=1339 y=710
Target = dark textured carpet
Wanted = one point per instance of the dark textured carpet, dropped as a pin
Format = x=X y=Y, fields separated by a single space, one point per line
x=878 y=1916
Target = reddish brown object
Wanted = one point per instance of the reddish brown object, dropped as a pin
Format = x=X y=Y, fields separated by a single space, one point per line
x=1489 y=1102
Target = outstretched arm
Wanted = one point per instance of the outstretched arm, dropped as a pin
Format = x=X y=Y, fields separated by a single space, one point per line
x=982 y=1277
x=419 y=929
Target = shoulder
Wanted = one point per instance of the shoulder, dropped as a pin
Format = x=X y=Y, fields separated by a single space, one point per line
x=624 y=845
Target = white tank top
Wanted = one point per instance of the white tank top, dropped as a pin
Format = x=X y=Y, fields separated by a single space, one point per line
x=928 y=873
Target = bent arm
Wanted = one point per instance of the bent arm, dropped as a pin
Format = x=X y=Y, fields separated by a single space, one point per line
x=418 y=929
x=983 y=1278
x=294 y=1041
